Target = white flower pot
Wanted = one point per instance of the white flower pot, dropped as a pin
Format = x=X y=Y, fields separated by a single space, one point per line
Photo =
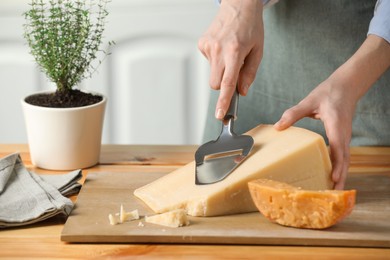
x=64 y=138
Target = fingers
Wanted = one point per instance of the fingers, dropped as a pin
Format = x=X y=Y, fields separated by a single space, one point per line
x=294 y=114
x=216 y=74
x=228 y=86
x=339 y=135
x=248 y=71
x=225 y=67
x=217 y=66
x=340 y=162
x=233 y=45
x=203 y=47
x=338 y=127
x=237 y=74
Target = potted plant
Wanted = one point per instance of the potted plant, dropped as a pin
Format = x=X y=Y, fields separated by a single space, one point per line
x=64 y=127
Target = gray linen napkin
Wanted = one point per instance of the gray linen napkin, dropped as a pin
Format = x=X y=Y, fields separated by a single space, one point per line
x=26 y=197
x=66 y=184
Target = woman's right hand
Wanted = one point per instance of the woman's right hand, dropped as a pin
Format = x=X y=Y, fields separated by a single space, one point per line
x=233 y=45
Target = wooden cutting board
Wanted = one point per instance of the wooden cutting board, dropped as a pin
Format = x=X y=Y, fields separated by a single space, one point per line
x=103 y=193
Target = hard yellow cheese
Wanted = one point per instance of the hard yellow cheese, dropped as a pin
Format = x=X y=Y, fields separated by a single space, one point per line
x=291 y=206
x=295 y=155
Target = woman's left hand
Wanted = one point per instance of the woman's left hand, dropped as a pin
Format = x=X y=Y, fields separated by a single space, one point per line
x=334 y=101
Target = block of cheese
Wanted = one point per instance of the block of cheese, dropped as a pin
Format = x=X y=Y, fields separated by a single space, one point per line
x=174 y=218
x=291 y=206
x=294 y=155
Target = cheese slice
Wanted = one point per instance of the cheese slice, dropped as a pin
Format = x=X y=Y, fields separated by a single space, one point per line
x=174 y=218
x=295 y=155
x=291 y=206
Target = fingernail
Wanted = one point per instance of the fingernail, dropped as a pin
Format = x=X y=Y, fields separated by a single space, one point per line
x=220 y=114
x=336 y=176
x=279 y=124
x=246 y=88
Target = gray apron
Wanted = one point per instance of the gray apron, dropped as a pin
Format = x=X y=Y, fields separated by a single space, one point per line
x=305 y=42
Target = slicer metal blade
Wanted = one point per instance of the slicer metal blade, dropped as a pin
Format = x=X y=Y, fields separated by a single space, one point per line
x=215 y=160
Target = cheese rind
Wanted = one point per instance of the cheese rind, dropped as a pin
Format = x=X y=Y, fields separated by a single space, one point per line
x=295 y=207
x=294 y=155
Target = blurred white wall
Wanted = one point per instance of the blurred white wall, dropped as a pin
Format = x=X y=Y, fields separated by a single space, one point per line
x=156 y=80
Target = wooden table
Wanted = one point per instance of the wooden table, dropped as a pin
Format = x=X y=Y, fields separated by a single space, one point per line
x=43 y=239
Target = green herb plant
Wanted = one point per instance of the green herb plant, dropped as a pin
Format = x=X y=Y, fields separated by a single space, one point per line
x=64 y=37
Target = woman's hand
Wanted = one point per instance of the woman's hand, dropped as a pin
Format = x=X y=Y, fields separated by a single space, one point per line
x=233 y=45
x=332 y=103
x=335 y=99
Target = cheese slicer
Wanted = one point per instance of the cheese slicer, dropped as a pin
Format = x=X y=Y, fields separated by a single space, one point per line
x=215 y=160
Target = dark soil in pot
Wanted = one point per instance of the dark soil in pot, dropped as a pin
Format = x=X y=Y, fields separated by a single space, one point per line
x=64 y=99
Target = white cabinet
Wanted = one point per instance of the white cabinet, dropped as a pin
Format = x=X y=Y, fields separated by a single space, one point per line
x=155 y=79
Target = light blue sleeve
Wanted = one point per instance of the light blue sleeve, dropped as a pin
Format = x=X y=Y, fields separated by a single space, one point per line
x=380 y=23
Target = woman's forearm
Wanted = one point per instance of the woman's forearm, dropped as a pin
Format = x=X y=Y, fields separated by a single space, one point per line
x=365 y=67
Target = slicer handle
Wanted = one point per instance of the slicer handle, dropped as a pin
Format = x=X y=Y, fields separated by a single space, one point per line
x=232 y=111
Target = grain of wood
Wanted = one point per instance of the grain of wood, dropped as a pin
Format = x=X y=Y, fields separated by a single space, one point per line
x=43 y=239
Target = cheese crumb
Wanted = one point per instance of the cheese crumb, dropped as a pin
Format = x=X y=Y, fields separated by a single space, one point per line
x=133 y=215
x=123 y=216
x=174 y=218
x=128 y=216
x=112 y=219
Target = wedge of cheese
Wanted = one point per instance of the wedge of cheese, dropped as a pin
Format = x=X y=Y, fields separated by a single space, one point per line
x=291 y=206
x=295 y=156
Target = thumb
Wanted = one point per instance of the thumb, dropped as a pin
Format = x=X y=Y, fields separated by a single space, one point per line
x=291 y=116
